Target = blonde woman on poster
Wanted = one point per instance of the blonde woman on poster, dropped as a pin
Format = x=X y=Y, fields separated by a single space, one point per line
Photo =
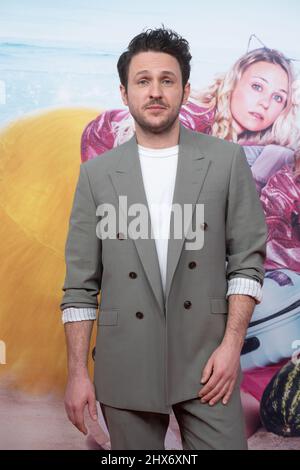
x=253 y=104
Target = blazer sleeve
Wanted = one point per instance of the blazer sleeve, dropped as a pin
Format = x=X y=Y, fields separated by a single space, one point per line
x=82 y=250
x=246 y=229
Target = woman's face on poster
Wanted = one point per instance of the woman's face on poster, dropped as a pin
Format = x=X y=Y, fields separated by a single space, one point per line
x=259 y=97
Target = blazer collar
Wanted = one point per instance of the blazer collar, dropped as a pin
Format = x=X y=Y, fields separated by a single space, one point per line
x=188 y=149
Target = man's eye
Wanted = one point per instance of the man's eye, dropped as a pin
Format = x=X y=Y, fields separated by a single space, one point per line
x=143 y=82
x=167 y=81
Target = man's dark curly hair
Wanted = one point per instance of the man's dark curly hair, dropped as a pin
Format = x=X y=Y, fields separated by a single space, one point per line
x=157 y=40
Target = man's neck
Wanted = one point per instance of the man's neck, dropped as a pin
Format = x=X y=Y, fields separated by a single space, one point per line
x=166 y=139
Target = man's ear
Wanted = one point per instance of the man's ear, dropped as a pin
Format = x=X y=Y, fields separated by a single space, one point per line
x=123 y=95
x=186 y=92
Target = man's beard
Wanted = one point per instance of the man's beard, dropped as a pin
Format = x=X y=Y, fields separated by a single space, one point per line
x=161 y=127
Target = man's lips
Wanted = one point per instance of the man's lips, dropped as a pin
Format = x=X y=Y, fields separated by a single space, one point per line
x=155 y=106
x=257 y=116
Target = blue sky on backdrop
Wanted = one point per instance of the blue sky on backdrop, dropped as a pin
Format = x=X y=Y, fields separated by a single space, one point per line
x=64 y=53
x=216 y=24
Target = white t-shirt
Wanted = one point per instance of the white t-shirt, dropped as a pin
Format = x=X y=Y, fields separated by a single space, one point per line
x=159 y=167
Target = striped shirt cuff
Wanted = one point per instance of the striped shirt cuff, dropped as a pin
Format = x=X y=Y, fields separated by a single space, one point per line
x=78 y=314
x=241 y=285
x=237 y=285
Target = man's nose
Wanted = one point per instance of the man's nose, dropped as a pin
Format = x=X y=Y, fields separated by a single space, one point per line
x=155 y=90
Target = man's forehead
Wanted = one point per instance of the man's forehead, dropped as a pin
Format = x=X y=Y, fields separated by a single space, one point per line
x=151 y=60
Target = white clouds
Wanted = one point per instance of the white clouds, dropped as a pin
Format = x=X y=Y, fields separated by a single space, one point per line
x=212 y=25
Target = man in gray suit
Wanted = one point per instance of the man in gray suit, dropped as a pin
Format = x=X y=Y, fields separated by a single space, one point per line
x=173 y=312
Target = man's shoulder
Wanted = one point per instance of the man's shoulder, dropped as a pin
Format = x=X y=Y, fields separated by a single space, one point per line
x=105 y=161
x=212 y=143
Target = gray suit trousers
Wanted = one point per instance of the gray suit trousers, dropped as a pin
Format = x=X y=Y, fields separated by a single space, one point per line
x=201 y=426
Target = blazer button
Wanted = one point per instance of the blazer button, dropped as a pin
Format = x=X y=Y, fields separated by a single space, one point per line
x=187 y=304
x=120 y=236
x=192 y=264
x=133 y=275
x=139 y=315
x=203 y=226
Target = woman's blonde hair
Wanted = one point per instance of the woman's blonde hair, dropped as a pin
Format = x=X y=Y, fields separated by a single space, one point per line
x=218 y=96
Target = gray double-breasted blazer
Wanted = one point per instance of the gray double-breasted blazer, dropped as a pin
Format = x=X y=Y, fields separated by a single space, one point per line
x=153 y=345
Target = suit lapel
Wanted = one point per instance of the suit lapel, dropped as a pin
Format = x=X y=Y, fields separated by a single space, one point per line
x=127 y=180
x=191 y=172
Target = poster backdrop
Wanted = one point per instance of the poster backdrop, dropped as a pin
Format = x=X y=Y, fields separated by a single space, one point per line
x=60 y=105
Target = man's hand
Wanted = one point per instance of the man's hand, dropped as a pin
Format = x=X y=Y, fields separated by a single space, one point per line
x=79 y=393
x=80 y=390
x=220 y=374
x=221 y=370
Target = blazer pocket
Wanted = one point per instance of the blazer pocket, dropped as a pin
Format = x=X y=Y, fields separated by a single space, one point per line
x=108 y=317
x=219 y=306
